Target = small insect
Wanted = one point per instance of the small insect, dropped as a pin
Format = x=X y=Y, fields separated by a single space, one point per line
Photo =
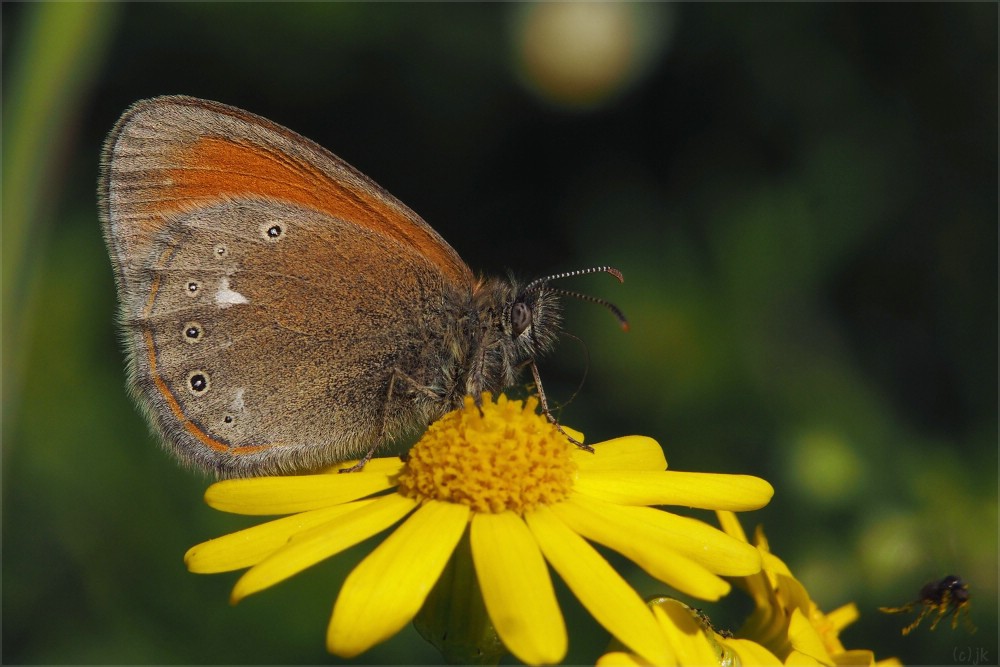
x=706 y=622
x=946 y=596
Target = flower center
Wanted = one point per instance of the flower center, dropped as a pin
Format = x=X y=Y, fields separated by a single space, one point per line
x=505 y=458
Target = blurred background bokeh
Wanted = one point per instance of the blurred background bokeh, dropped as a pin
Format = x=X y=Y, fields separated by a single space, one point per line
x=802 y=198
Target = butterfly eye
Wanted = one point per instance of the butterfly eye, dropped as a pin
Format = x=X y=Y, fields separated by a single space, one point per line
x=520 y=317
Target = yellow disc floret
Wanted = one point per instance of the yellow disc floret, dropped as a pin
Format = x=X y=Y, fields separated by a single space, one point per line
x=506 y=457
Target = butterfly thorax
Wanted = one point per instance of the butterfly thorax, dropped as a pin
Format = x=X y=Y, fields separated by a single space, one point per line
x=507 y=329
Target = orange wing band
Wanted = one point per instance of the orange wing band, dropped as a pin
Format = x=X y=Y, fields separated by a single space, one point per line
x=213 y=167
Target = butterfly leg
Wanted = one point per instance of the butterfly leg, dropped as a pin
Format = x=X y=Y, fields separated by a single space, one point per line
x=548 y=413
x=397 y=375
x=363 y=461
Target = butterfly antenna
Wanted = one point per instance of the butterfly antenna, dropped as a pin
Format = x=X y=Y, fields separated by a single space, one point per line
x=569 y=274
x=615 y=310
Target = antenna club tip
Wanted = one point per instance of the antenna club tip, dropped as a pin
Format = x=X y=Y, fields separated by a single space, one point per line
x=626 y=327
x=616 y=273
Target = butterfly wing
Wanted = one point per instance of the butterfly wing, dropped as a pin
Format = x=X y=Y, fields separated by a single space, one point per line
x=269 y=291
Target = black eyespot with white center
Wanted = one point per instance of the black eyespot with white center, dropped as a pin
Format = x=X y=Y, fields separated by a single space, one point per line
x=520 y=317
x=192 y=288
x=193 y=332
x=273 y=231
x=198 y=382
x=220 y=251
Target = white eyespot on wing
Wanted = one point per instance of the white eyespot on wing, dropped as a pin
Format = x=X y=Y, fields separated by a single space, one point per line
x=226 y=297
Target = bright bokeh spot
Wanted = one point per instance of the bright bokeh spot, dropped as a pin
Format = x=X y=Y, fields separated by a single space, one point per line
x=584 y=54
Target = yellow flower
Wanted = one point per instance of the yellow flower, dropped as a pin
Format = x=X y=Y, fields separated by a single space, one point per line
x=786 y=620
x=526 y=496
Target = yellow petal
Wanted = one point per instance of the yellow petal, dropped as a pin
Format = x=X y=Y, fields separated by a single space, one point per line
x=842 y=616
x=797 y=659
x=619 y=659
x=697 y=540
x=889 y=662
x=731 y=525
x=856 y=657
x=684 y=634
x=294 y=493
x=385 y=591
x=738 y=493
x=792 y=593
x=517 y=589
x=767 y=623
x=805 y=640
x=322 y=542
x=751 y=653
x=247 y=547
x=632 y=452
x=644 y=545
x=604 y=593
x=775 y=565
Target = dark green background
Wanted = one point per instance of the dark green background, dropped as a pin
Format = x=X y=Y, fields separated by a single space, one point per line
x=803 y=200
